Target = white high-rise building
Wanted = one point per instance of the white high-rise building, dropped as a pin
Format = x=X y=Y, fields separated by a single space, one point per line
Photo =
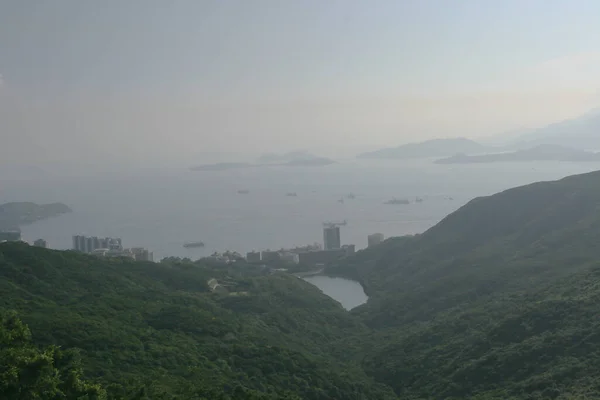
x=88 y=244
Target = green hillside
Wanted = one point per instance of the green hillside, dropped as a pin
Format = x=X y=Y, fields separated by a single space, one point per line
x=157 y=326
x=499 y=300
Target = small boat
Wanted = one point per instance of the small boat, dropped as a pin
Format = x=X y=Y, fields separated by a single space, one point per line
x=341 y=200
x=351 y=196
x=292 y=194
x=419 y=199
x=244 y=191
x=193 y=245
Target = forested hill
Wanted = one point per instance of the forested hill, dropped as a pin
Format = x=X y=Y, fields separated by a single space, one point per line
x=499 y=300
x=489 y=243
x=157 y=328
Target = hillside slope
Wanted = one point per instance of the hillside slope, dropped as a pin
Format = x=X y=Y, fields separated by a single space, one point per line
x=158 y=326
x=496 y=301
x=582 y=132
x=500 y=300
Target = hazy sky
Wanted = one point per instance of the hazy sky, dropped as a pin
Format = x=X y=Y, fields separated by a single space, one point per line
x=171 y=80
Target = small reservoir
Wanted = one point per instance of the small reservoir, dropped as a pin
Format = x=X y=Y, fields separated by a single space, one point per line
x=347 y=292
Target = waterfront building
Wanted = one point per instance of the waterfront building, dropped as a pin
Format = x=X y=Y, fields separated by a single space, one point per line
x=314 y=258
x=375 y=239
x=290 y=257
x=89 y=244
x=349 y=249
x=253 y=257
x=324 y=257
x=270 y=256
x=40 y=243
x=142 y=254
x=331 y=237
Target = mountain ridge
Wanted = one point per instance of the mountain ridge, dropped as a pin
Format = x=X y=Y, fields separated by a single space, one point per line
x=581 y=132
x=486 y=303
x=542 y=152
x=428 y=148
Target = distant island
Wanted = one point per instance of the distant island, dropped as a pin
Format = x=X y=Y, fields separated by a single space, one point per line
x=15 y=214
x=429 y=148
x=309 y=162
x=537 y=153
x=273 y=158
x=221 y=166
x=299 y=159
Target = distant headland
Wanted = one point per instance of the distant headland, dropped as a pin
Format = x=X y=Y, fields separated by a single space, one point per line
x=15 y=214
x=293 y=159
x=537 y=153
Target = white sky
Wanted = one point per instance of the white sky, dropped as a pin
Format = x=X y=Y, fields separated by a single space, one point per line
x=167 y=82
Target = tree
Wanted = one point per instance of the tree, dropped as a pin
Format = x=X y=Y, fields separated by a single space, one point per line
x=28 y=373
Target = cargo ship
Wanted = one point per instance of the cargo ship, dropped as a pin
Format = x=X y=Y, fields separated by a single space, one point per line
x=193 y=245
x=397 y=201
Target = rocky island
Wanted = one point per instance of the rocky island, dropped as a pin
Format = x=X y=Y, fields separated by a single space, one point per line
x=15 y=214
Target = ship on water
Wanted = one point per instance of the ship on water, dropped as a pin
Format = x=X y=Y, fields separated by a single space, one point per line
x=397 y=201
x=243 y=191
x=192 y=245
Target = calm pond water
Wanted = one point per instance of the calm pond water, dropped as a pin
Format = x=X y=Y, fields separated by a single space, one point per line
x=349 y=293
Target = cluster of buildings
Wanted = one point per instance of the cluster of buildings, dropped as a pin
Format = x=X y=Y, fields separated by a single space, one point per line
x=104 y=247
x=15 y=236
x=109 y=247
x=311 y=255
x=314 y=255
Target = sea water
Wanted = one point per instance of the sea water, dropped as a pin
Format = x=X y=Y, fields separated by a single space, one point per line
x=163 y=209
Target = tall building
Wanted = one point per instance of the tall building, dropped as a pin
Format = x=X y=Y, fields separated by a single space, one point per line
x=79 y=243
x=375 y=239
x=90 y=244
x=331 y=237
x=40 y=243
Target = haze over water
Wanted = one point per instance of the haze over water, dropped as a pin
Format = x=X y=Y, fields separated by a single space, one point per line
x=163 y=210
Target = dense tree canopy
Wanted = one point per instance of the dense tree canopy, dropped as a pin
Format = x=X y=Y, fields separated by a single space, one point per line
x=499 y=300
x=156 y=330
